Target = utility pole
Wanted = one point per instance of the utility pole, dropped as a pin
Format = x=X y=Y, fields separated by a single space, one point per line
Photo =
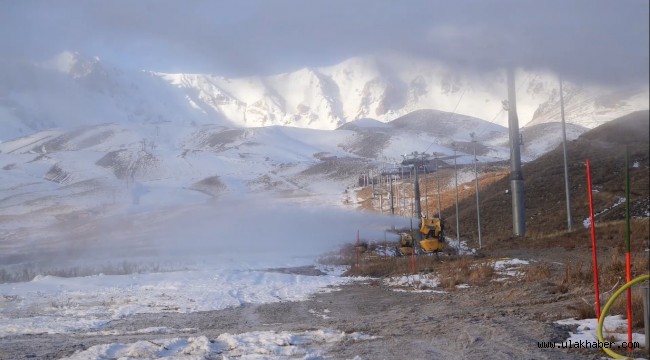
x=397 y=198
x=478 y=212
x=457 y=218
x=416 y=193
x=516 y=176
x=426 y=192
x=566 y=166
x=392 y=203
x=416 y=159
x=438 y=185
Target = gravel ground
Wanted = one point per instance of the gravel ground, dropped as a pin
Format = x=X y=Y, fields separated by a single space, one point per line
x=499 y=320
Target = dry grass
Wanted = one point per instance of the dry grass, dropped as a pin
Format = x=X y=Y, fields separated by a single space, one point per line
x=584 y=310
x=577 y=275
x=537 y=272
x=464 y=270
x=451 y=270
x=481 y=273
x=620 y=308
x=578 y=279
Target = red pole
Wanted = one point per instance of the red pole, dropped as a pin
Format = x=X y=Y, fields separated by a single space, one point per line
x=356 y=250
x=412 y=249
x=628 y=278
x=593 y=240
x=628 y=260
x=413 y=259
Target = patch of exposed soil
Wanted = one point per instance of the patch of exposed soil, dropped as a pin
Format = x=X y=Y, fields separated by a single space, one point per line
x=212 y=186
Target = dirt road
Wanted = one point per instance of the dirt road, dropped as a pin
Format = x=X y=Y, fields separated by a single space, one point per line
x=503 y=321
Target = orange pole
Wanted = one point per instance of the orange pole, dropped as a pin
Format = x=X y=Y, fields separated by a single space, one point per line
x=593 y=240
x=628 y=278
x=356 y=250
x=413 y=260
x=412 y=249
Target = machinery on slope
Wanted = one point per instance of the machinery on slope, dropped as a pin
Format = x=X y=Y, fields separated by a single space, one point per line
x=433 y=230
x=431 y=234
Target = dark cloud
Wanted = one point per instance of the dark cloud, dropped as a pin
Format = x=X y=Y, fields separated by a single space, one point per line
x=588 y=40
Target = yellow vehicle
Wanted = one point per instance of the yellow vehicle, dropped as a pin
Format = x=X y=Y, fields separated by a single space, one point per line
x=433 y=238
x=406 y=244
x=433 y=234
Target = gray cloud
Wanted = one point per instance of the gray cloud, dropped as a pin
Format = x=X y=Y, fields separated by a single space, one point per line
x=602 y=41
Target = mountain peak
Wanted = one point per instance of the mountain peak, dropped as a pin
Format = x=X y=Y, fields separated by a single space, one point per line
x=72 y=89
x=72 y=63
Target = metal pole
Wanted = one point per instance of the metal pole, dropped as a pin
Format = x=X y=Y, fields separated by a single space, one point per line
x=404 y=209
x=397 y=197
x=566 y=167
x=438 y=185
x=646 y=315
x=516 y=176
x=457 y=218
x=478 y=212
x=392 y=203
x=416 y=192
x=426 y=192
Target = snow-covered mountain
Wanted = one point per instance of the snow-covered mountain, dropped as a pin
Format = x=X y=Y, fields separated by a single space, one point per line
x=79 y=135
x=70 y=90
x=97 y=170
x=73 y=90
x=584 y=106
x=388 y=88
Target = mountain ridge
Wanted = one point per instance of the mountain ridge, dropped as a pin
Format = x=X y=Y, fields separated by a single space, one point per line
x=73 y=90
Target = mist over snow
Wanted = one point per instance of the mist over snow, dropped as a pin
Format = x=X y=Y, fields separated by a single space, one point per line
x=254 y=231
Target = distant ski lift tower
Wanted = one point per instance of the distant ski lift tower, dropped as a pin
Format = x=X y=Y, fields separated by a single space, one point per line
x=416 y=160
x=438 y=184
x=566 y=167
x=516 y=176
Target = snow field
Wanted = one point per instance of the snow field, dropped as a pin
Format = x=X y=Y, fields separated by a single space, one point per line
x=251 y=345
x=60 y=305
x=614 y=326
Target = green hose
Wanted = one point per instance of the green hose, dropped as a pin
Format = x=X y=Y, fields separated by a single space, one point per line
x=601 y=321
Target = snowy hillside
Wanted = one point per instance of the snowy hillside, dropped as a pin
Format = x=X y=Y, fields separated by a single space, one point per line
x=72 y=89
x=96 y=171
x=587 y=107
x=390 y=87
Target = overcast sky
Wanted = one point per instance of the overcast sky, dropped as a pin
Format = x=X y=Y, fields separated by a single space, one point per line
x=588 y=40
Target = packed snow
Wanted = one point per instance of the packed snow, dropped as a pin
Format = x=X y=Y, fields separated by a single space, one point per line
x=614 y=328
x=252 y=345
x=58 y=305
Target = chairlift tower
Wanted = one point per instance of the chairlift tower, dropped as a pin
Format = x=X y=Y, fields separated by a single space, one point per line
x=516 y=176
x=416 y=159
x=478 y=211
